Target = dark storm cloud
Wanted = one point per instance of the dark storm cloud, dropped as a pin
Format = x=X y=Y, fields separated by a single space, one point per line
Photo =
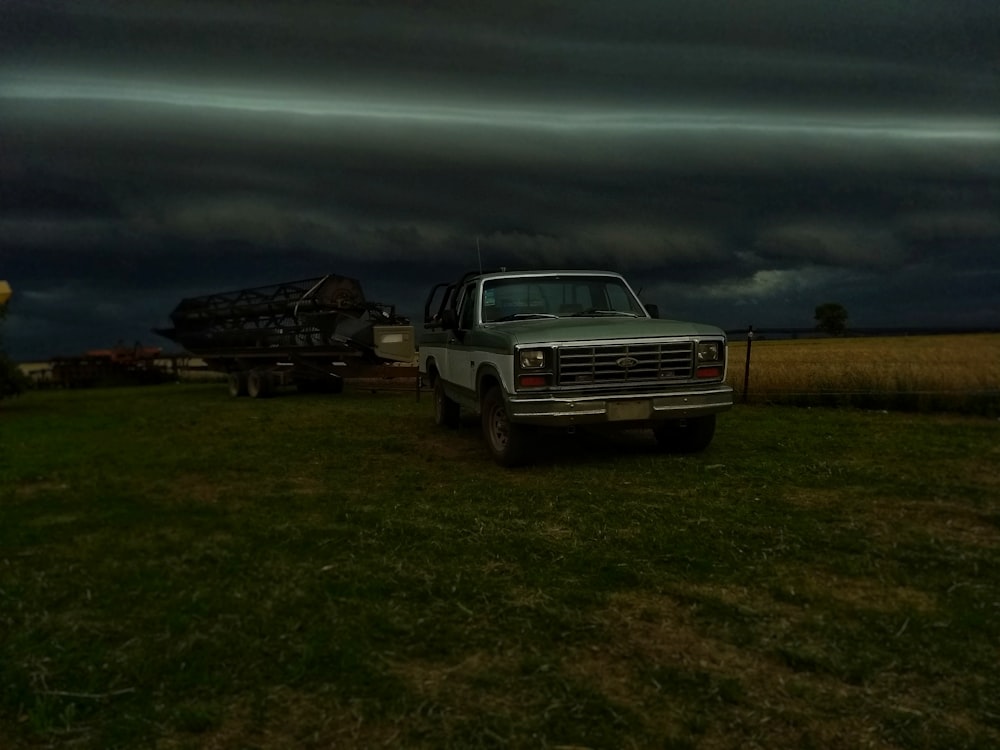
x=737 y=160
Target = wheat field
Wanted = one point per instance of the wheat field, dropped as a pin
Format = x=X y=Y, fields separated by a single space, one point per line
x=958 y=372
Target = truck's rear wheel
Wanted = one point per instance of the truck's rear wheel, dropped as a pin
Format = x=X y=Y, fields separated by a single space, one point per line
x=237 y=383
x=686 y=435
x=508 y=443
x=446 y=411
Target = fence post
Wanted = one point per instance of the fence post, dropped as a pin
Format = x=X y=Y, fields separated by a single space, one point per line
x=746 y=371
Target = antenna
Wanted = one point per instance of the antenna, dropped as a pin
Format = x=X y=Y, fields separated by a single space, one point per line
x=479 y=255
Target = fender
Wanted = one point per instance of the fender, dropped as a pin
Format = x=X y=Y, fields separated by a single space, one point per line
x=489 y=370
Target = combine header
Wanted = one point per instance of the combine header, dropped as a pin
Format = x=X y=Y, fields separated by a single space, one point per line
x=312 y=333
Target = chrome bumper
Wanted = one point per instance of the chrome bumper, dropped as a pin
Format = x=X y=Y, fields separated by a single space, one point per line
x=565 y=410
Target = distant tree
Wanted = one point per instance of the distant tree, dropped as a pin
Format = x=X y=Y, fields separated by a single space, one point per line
x=831 y=317
x=12 y=380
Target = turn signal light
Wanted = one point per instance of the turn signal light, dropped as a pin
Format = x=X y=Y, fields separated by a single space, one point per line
x=532 y=381
x=709 y=372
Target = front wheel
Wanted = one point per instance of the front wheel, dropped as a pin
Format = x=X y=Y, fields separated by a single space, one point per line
x=686 y=435
x=509 y=443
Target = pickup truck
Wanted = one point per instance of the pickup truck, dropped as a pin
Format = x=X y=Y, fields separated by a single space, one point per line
x=529 y=350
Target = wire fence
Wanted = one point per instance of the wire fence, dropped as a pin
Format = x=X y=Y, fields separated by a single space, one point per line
x=947 y=371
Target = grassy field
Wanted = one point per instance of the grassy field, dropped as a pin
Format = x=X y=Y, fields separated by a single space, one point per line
x=179 y=569
x=919 y=373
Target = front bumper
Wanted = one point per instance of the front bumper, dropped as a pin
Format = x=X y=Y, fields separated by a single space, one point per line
x=569 y=410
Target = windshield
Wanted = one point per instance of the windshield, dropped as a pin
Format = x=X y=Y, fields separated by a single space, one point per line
x=557 y=297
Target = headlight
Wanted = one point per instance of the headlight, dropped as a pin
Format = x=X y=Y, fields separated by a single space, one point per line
x=709 y=351
x=532 y=359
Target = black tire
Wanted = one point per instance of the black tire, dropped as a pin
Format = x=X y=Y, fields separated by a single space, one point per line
x=686 y=435
x=509 y=443
x=259 y=384
x=237 y=384
x=446 y=411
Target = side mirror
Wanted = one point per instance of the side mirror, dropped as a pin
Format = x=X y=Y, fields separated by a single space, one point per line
x=449 y=320
x=653 y=310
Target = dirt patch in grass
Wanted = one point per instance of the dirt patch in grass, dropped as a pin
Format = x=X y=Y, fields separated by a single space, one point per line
x=983 y=473
x=195 y=488
x=434 y=680
x=696 y=687
x=890 y=517
x=526 y=598
x=466 y=697
x=555 y=532
x=442 y=444
x=284 y=719
x=944 y=520
x=820 y=498
x=854 y=593
x=33 y=489
x=953 y=522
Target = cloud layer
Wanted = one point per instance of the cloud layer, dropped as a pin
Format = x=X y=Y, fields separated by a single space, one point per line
x=742 y=162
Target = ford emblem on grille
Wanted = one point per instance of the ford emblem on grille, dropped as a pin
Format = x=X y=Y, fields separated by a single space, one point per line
x=626 y=362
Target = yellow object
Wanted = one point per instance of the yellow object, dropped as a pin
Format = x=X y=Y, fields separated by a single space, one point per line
x=5 y=292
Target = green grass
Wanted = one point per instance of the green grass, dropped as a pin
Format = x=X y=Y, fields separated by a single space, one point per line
x=181 y=569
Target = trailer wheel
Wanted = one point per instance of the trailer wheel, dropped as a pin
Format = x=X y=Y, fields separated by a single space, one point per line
x=446 y=411
x=259 y=384
x=237 y=384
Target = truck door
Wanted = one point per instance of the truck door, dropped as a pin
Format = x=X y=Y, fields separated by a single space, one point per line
x=461 y=361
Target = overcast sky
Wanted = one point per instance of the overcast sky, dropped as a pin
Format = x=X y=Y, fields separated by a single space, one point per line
x=741 y=161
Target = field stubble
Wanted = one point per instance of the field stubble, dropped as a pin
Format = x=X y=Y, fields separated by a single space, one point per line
x=919 y=373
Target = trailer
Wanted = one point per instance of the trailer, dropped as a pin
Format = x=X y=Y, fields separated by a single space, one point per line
x=313 y=334
x=119 y=365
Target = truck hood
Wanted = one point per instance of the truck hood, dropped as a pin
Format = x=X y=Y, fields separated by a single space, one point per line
x=551 y=330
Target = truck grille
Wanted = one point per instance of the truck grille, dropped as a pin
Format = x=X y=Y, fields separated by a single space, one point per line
x=626 y=363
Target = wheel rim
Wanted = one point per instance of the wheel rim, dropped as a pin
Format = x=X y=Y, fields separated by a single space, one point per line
x=499 y=428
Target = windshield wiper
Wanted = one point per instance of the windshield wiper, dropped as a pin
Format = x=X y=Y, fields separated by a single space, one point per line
x=524 y=316
x=594 y=312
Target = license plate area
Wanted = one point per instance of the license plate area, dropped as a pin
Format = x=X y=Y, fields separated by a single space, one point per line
x=629 y=411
